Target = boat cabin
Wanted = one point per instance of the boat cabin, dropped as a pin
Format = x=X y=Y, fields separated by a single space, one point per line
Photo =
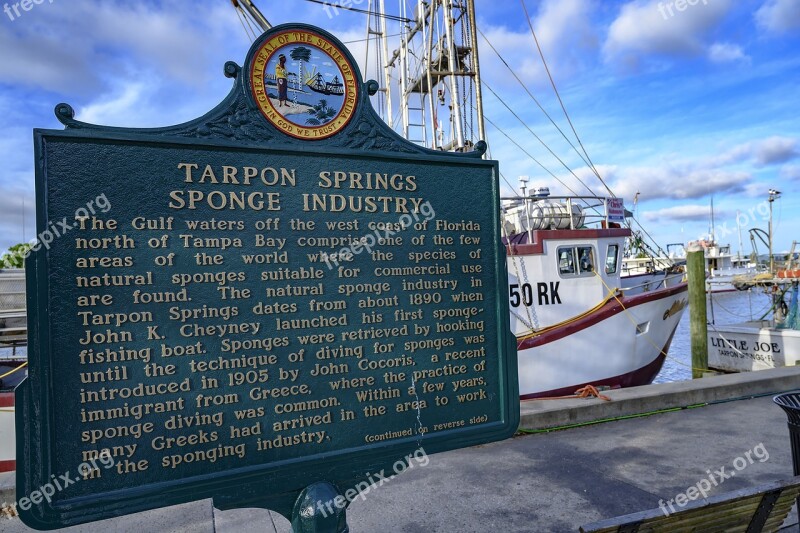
x=559 y=266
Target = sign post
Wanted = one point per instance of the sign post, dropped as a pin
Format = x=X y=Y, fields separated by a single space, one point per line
x=273 y=305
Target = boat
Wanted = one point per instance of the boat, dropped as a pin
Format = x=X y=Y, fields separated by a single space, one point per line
x=774 y=340
x=13 y=360
x=723 y=268
x=648 y=270
x=319 y=85
x=770 y=342
x=576 y=323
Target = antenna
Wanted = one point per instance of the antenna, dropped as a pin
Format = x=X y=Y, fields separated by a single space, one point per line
x=739 y=228
x=712 y=220
x=523 y=184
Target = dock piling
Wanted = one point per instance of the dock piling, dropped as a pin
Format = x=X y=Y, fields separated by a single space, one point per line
x=696 y=274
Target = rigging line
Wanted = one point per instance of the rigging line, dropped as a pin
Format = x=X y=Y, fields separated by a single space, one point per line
x=536 y=101
x=487 y=119
x=252 y=24
x=658 y=247
x=368 y=39
x=362 y=11
x=539 y=139
x=529 y=155
x=239 y=14
x=396 y=120
x=246 y=18
x=509 y=184
x=563 y=107
x=379 y=60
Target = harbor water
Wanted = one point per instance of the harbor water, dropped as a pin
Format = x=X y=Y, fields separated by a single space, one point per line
x=722 y=308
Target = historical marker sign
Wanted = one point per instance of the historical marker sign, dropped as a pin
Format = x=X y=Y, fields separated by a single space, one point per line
x=279 y=293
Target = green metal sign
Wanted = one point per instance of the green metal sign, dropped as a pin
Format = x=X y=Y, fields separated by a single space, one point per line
x=270 y=305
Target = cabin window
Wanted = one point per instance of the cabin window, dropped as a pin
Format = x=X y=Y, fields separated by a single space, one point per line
x=576 y=261
x=585 y=259
x=566 y=261
x=611 y=258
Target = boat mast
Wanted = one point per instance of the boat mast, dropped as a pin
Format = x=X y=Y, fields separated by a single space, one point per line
x=476 y=67
x=387 y=71
x=455 y=104
x=443 y=65
x=739 y=227
x=406 y=34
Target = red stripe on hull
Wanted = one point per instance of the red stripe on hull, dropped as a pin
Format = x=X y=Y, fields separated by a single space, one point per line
x=611 y=308
x=8 y=466
x=641 y=376
x=7 y=399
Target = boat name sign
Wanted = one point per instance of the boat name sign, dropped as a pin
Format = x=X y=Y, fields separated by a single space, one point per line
x=615 y=210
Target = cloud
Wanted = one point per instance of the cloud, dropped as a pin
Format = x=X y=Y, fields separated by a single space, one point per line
x=729 y=173
x=564 y=31
x=756 y=189
x=776 y=150
x=790 y=172
x=566 y=36
x=779 y=16
x=60 y=47
x=769 y=151
x=675 y=183
x=643 y=28
x=680 y=213
x=726 y=53
x=43 y=61
x=117 y=108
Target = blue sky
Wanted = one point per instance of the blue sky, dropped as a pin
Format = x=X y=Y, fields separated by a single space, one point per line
x=675 y=104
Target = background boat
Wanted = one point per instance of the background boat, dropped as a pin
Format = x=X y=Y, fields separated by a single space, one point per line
x=773 y=339
x=13 y=358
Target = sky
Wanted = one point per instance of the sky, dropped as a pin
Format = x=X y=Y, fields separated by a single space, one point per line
x=675 y=102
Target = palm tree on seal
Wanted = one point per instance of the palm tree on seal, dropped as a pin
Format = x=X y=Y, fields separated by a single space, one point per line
x=302 y=55
x=322 y=113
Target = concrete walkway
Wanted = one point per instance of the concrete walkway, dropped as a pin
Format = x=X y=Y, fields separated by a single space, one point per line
x=546 y=482
x=542 y=414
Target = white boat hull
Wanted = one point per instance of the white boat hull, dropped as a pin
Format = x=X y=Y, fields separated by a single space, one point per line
x=617 y=345
x=752 y=346
x=652 y=281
